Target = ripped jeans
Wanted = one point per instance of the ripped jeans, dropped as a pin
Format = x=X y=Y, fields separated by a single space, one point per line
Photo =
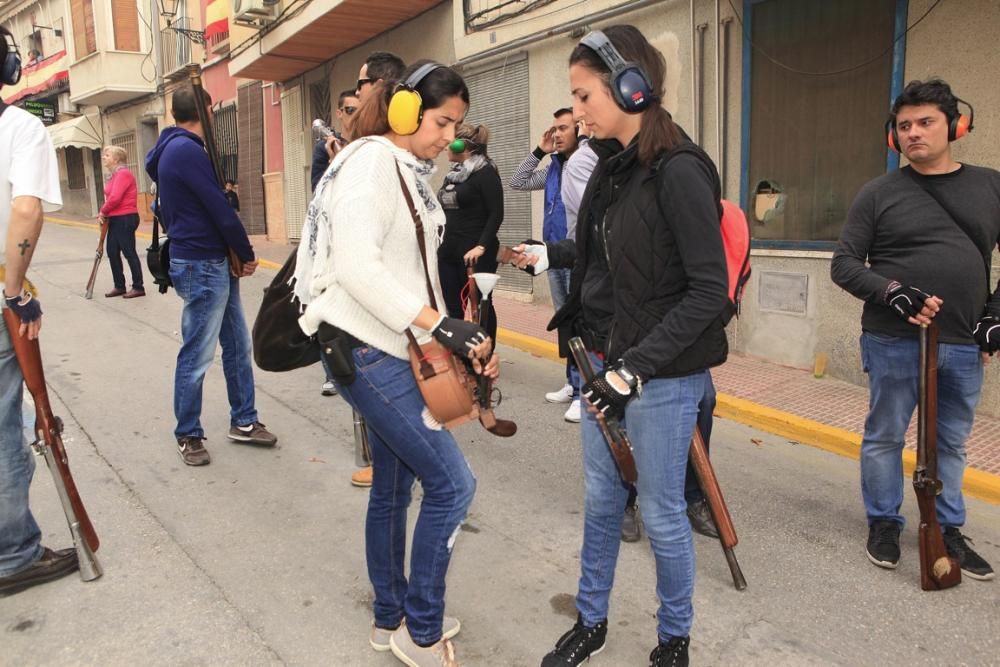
x=403 y=450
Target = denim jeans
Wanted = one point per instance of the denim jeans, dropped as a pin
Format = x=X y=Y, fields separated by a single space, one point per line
x=20 y=538
x=559 y=287
x=660 y=425
x=893 y=367
x=403 y=450
x=212 y=314
x=121 y=241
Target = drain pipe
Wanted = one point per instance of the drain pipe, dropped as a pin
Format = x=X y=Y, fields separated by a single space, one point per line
x=718 y=85
x=699 y=75
x=570 y=26
x=694 y=77
x=724 y=97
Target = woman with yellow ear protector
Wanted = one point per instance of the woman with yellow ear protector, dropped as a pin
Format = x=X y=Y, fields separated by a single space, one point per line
x=472 y=198
x=361 y=276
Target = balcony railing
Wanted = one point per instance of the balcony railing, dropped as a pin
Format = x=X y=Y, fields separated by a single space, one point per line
x=175 y=48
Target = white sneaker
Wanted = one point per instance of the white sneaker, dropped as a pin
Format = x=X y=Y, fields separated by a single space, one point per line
x=573 y=413
x=564 y=395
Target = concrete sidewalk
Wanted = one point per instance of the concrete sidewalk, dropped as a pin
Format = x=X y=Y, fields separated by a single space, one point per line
x=791 y=402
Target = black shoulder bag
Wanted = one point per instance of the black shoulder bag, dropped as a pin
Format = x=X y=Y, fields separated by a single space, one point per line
x=987 y=256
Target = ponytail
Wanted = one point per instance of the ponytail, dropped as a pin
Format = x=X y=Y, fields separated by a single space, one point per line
x=658 y=134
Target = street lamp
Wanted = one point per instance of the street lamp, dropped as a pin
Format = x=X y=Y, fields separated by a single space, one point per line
x=168 y=9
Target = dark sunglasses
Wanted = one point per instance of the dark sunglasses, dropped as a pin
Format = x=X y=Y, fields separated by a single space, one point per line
x=348 y=110
x=362 y=82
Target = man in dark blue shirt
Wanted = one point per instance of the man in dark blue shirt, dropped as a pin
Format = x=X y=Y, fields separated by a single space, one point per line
x=204 y=229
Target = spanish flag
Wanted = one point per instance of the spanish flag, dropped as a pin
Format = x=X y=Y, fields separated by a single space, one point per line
x=216 y=17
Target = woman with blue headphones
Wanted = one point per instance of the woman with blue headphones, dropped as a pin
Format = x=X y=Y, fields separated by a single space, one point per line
x=367 y=272
x=472 y=198
x=648 y=297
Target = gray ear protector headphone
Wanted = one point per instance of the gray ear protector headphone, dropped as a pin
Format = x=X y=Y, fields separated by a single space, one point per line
x=10 y=69
x=630 y=86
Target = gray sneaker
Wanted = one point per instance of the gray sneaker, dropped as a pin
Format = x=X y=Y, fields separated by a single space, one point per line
x=441 y=654
x=253 y=434
x=379 y=637
x=192 y=451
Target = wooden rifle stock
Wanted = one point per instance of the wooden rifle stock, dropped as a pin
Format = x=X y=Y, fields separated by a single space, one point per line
x=194 y=74
x=614 y=434
x=937 y=569
x=97 y=259
x=717 y=505
x=48 y=431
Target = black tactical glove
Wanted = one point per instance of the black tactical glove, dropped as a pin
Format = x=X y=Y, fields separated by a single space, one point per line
x=459 y=336
x=905 y=301
x=611 y=390
x=25 y=306
x=987 y=333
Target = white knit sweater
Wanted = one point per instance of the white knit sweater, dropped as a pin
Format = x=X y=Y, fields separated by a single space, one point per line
x=371 y=280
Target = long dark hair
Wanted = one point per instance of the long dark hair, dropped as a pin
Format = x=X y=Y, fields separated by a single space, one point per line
x=372 y=117
x=658 y=132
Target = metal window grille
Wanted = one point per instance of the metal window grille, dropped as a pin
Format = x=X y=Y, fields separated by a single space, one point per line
x=226 y=141
x=175 y=48
x=127 y=141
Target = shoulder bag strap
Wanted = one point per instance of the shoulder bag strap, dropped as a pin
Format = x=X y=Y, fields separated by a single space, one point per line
x=426 y=369
x=958 y=223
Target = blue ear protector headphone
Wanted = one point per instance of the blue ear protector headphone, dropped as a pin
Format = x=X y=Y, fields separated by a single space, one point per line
x=10 y=70
x=630 y=87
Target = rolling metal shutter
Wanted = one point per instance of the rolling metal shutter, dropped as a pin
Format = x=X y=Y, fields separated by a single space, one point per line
x=500 y=102
x=250 y=156
x=296 y=186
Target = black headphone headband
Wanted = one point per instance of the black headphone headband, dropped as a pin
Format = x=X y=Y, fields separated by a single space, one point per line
x=603 y=47
x=419 y=75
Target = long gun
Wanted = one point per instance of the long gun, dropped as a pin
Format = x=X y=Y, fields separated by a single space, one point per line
x=97 y=259
x=479 y=313
x=709 y=484
x=938 y=570
x=194 y=74
x=48 y=443
x=614 y=434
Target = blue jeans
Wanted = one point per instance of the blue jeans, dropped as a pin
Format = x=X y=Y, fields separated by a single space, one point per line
x=893 y=367
x=212 y=314
x=559 y=287
x=403 y=450
x=660 y=426
x=20 y=538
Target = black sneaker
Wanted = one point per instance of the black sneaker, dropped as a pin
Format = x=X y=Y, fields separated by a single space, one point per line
x=973 y=565
x=883 y=543
x=577 y=645
x=672 y=654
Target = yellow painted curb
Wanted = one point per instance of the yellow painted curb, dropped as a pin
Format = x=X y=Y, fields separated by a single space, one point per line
x=265 y=263
x=982 y=485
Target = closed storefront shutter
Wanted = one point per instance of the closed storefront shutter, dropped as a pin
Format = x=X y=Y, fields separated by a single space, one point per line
x=500 y=102
x=296 y=186
x=250 y=156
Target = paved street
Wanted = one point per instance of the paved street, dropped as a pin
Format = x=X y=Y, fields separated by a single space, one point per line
x=259 y=557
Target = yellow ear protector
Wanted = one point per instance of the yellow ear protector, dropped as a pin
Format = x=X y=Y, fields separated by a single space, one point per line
x=958 y=126
x=406 y=108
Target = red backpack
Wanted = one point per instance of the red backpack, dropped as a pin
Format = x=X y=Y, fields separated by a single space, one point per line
x=735 y=235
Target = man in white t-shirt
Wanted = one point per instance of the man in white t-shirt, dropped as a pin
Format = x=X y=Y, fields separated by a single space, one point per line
x=29 y=184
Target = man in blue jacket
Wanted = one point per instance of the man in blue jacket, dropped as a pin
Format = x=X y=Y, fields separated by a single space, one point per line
x=203 y=228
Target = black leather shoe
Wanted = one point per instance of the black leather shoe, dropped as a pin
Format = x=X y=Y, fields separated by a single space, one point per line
x=52 y=565
x=700 y=517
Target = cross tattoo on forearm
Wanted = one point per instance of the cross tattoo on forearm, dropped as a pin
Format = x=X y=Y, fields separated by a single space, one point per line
x=24 y=245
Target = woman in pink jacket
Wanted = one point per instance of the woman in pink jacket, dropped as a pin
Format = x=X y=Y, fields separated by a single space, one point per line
x=121 y=213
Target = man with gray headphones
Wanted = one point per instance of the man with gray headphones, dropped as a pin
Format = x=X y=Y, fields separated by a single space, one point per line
x=29 y=185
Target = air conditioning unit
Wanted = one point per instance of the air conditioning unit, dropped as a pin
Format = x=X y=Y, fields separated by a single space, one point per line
x=253 y=10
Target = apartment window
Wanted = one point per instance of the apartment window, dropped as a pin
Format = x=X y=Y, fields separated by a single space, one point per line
x=84 y=38
x=127 y=141
x=812 y=140
x=76 y=179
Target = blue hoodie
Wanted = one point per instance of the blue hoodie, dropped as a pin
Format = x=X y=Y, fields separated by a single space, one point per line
x=199 y=221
